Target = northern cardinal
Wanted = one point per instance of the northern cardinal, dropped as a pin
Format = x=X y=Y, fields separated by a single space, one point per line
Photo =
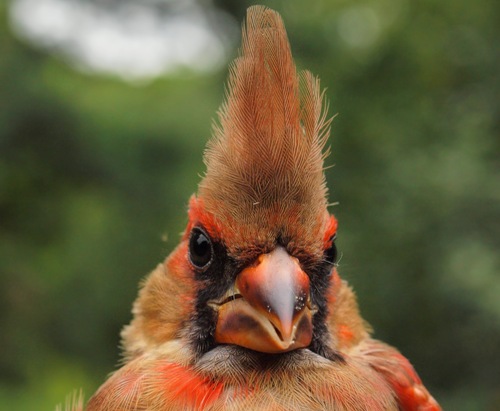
x=249 y=312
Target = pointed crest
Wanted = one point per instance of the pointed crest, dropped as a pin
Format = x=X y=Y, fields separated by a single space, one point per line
x=266 y=156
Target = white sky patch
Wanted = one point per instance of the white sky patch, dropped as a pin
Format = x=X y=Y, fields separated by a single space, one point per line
x=131 y=40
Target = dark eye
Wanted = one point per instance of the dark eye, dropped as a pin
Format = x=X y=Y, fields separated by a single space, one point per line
x=200 y=248
x=331 y=252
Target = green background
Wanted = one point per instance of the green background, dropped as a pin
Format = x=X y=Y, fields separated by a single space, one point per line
x=95 y=174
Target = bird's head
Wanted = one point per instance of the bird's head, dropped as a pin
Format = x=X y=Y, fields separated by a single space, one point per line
x=256 y=263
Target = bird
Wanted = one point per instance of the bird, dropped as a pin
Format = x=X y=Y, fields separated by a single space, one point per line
x=249 y=311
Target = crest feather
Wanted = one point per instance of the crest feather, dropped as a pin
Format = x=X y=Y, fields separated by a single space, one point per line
x=267 y=152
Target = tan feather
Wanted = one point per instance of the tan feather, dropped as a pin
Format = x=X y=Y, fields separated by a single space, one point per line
x=266 y=155
x=74 y=402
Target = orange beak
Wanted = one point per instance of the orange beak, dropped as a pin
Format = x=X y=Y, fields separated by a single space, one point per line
x=269 y=309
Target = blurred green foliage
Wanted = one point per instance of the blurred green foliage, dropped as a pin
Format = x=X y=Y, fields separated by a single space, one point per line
x=95 y=172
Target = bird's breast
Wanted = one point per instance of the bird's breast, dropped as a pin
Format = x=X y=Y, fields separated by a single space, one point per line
x=298 y=380
x=231 y=378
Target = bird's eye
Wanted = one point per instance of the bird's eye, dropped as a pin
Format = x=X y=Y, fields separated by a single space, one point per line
x=331 y=252
x=200 y=248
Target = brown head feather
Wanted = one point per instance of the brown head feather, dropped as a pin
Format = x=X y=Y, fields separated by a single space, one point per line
x=265 y=160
